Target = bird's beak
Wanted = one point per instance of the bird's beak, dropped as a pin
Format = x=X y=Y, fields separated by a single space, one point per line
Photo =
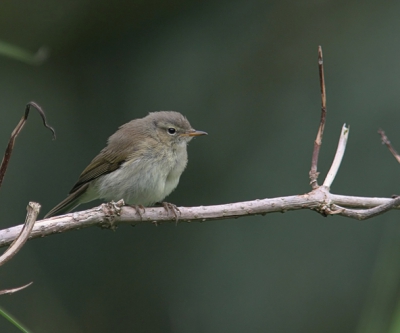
x=194 y=133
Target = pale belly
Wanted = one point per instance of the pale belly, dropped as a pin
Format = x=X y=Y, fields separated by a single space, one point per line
x=140 y=182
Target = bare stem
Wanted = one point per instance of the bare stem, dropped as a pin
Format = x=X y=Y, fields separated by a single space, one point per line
x=338 y=156
x=313 y=174
x=363 y=214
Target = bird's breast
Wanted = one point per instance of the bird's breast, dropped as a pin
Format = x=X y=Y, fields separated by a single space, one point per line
x=179 y=158
x=146 y=179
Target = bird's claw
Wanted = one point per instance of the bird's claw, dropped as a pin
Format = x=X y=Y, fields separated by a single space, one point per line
x=171 y=208
x=137 y=208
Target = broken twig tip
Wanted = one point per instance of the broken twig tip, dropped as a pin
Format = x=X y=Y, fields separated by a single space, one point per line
x=320 y=57
x=338 y=157
x=385 y=141
x=12 y=291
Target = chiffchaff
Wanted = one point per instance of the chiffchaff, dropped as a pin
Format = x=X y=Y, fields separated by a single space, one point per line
x=141 y=164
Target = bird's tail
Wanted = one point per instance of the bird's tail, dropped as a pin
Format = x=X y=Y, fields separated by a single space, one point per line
x=68 y=204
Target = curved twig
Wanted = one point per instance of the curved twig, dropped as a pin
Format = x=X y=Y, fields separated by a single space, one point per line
x=14 y=290
x=363 y=214
x=33 y=209
x=16 y=131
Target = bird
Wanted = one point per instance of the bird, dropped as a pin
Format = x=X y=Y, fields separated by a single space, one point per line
x=141 y=163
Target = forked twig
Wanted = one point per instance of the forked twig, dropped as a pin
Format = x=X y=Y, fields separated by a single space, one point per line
x=363 y=214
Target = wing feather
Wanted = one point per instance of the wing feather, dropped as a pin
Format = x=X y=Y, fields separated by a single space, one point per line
x=101 y=165
x=121 y=146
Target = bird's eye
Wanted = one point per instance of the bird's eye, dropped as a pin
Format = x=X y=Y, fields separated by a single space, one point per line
x=171 y=130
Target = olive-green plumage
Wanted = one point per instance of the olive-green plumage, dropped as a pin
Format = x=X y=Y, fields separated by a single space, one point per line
x=142 y=163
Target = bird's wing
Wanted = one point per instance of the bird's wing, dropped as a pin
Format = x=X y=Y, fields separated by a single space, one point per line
x=121 y=147
x=68 y=204
x=101 y=165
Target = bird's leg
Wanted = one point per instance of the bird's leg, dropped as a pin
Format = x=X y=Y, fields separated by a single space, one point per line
x=170 y=208
x=137 y=208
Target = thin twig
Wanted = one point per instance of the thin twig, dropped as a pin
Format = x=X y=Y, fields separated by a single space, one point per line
x=363 y=214
x=359 y=202
x=17 y=130
x=14 y=290
x=386 y=142
x=338 y=156
x=313 y=174
x=33 y=209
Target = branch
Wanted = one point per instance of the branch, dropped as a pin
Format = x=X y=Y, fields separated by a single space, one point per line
x=110 y=215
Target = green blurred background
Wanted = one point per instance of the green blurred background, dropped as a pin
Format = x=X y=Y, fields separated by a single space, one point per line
x=246 y=72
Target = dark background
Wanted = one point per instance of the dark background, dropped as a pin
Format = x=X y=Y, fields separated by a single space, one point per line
x=246 y=72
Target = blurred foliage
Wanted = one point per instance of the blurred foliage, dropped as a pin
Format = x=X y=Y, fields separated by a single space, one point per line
x=18 y=53
x=13 y=321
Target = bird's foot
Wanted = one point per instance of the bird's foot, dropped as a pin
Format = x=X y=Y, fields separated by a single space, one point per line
x=171 y=209
x=137 y=208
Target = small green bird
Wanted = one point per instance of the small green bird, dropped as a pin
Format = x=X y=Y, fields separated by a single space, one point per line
x=141 y=164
